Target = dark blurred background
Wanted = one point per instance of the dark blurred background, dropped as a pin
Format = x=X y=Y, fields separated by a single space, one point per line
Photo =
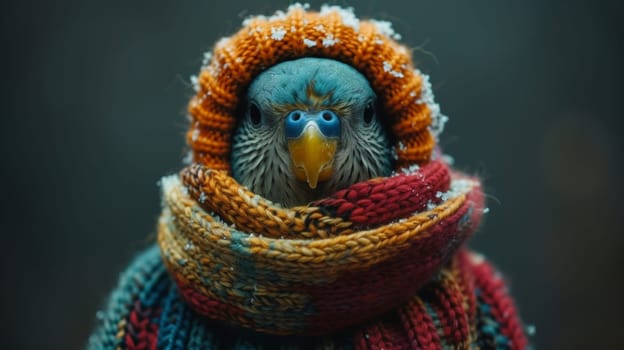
x=93 y=101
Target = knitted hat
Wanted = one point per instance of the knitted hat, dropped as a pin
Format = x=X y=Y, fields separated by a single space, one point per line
x=335 y=33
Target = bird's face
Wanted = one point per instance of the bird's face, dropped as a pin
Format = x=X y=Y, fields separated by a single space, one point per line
x=310 y=127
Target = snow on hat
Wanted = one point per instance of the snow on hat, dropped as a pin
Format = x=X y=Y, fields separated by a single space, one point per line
x=333 y=32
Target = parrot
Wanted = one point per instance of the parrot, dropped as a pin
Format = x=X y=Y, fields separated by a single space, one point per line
x=308 y=128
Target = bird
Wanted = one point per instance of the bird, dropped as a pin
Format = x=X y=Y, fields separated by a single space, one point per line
x=309 y=127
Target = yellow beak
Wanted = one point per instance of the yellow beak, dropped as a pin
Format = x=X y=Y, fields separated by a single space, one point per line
x=312 y=155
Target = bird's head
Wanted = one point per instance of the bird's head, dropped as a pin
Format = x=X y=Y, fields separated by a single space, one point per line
x=308 y=128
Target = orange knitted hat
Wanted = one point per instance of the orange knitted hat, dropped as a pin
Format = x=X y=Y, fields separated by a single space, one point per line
x=333 y=32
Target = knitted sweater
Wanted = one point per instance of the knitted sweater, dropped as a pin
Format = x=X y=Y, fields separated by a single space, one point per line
x=146 y=311
x=378 y=265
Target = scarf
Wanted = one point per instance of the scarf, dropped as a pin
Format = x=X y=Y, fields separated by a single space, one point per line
x=379 y=265
x=383 y=245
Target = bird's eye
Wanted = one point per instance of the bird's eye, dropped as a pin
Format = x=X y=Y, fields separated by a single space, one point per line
x=369 y=113
x=254 y=115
